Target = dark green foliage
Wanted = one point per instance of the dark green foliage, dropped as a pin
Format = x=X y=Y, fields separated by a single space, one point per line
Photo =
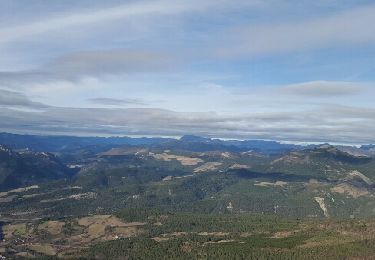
x=139 y=214
x=260 y=245
x=246 y=206
x=19 y=169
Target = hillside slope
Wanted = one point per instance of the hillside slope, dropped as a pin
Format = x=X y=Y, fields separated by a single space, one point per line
x=18 y=169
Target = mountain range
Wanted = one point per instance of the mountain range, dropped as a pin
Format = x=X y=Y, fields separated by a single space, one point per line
x=54 y=189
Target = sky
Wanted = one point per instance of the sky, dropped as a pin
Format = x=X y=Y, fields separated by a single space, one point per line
x=286 y=70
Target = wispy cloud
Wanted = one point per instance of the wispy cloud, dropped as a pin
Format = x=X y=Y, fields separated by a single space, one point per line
x=116 y=102
x=325 y=89
x=101 y=62
x=16 y=99
x=128 y=10
x=76 y=66
x=224 y=68
x=329 y=123
x=80 y=19
x=350 y=27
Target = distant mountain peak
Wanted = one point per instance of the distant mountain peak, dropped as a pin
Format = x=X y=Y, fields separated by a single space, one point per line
x=326 y=146
x=194 y=138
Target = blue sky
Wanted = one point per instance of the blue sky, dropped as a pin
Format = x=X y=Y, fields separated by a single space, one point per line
x=300 y=71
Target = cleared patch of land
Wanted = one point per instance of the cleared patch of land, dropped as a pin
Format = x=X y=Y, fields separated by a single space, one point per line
x=186 y=161
x=350 y=190
x=322 y=205
x=208 y=166
x=237 y=166
x=49 y=237
x=357 y=174
x=271 y=184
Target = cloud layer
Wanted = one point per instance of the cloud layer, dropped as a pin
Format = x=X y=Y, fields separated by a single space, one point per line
x=344 y=124
x=344 y=28
x=285 y=70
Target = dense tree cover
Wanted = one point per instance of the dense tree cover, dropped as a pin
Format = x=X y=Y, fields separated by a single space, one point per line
x=258 y=244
